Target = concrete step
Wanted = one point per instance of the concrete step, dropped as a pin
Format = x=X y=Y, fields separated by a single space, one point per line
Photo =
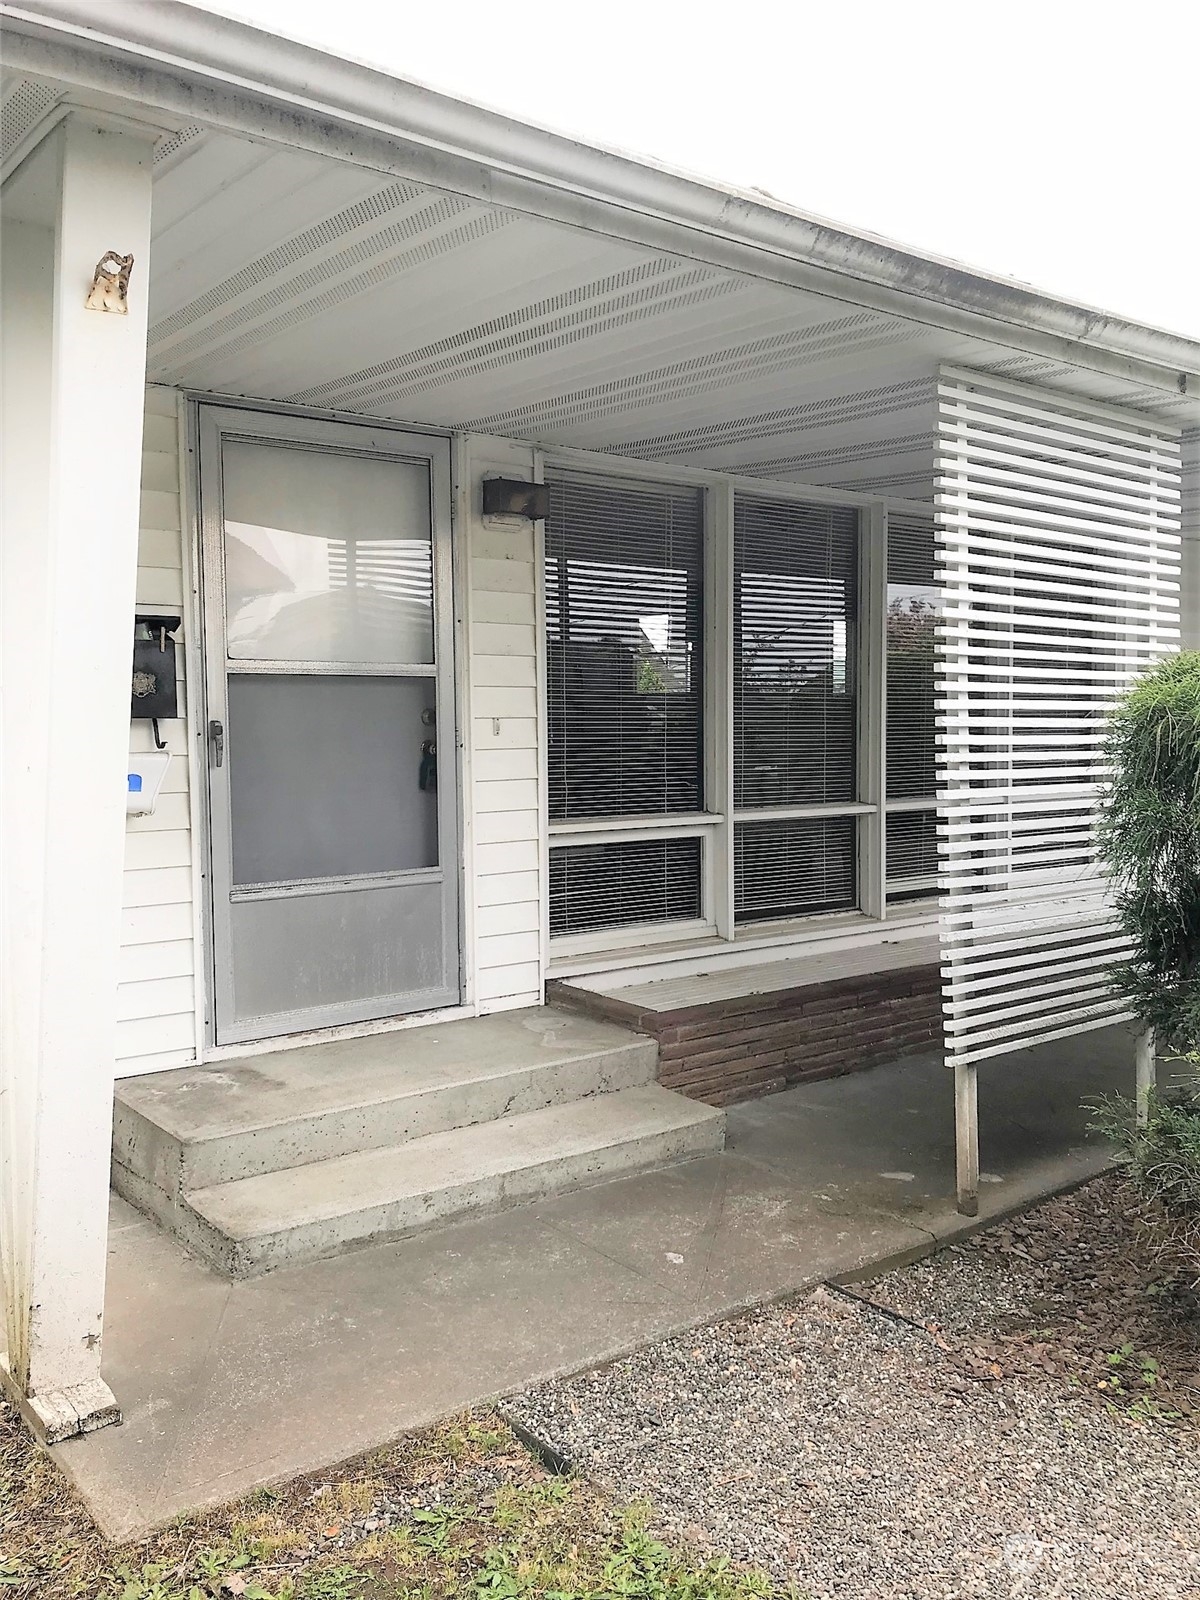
x=204 y=1126
x=253 y=1224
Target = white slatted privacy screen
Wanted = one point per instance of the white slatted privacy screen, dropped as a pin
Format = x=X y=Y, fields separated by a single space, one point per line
x=1059 y=557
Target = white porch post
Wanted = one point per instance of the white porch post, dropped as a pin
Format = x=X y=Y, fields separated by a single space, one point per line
x=73 y=396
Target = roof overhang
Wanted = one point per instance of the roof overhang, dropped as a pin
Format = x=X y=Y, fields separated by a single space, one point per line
x=187 y=63
x=546 y=289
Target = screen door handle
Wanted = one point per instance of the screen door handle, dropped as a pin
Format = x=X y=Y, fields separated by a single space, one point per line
x=216 y=743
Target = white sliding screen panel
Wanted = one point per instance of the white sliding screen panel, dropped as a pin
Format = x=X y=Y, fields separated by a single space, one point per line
x=1058 y=547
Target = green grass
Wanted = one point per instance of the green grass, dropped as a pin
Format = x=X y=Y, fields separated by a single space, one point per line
x=482 y=1520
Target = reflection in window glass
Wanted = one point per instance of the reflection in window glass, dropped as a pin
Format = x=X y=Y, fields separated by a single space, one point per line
x=328 y=556
x=624 y=626
x=795 y=629
x=911 y=660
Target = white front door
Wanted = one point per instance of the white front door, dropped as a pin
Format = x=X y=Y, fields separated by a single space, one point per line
x=329 y=681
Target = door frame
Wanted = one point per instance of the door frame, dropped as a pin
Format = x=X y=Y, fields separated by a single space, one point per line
x=210 y=418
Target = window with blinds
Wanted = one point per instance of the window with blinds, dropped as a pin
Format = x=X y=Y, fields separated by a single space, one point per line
x=624 y=628
x=794 y=868
x=794 y=629
x=623 y=883
x=912 y=595
x=912 y=854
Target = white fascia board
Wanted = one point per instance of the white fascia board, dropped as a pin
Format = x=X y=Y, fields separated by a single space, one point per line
x=206 y=68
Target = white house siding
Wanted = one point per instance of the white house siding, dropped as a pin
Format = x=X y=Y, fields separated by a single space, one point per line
x=156 y=998
x=503 y=715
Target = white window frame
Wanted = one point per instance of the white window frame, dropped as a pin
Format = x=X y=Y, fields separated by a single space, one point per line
x=716 y=825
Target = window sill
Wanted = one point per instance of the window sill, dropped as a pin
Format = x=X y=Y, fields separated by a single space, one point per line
x=762 y=942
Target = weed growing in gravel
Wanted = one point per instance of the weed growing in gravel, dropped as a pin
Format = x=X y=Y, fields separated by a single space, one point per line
x=461 y=1512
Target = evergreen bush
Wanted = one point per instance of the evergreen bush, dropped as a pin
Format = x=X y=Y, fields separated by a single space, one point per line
x=1150 y=843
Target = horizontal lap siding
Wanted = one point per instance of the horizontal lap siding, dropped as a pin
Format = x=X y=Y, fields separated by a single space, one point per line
x=156 y=999
x=502 y=716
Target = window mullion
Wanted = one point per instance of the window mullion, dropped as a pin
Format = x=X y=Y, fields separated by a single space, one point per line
x=718 y=599
x=872 y=709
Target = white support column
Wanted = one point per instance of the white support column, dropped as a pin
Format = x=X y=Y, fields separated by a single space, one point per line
x=74 y=390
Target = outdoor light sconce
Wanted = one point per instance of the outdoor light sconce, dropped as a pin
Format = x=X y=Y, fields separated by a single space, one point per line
x=511 y=497
x=154 y=690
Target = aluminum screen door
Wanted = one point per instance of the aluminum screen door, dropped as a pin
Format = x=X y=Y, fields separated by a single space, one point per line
x=329 y=682
x=1058 y=534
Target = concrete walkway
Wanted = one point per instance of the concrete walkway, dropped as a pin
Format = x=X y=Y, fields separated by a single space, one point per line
x=228 y=1385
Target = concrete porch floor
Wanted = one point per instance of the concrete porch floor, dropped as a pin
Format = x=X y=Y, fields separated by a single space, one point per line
x=229 y=1385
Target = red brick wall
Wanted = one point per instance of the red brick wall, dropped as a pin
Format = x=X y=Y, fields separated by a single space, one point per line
x=732 y=1050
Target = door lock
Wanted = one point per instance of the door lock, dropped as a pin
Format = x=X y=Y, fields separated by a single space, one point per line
x=216 y=743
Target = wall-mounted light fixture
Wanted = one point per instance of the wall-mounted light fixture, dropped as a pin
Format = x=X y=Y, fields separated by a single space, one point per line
x=510 y=497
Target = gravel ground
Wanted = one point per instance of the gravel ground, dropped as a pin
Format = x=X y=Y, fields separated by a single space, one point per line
x=856 y=1454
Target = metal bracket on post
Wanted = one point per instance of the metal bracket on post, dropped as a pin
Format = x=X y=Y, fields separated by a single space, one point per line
x=1145 y=1059
x=966 y=1137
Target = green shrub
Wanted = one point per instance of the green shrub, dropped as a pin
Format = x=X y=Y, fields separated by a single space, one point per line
x=1164 y=1164
x=1150 y=842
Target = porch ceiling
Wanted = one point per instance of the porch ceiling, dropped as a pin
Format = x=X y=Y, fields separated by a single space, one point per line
x=284 y=275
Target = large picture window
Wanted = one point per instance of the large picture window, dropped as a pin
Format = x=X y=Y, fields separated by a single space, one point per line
x=722 y=663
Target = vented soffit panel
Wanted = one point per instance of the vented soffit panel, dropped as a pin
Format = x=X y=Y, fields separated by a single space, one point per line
x=280 y=276
x=25 y=103
x=30 y=105
x=177 y=58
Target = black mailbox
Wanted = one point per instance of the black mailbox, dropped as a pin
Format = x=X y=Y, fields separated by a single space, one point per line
x=154 y=693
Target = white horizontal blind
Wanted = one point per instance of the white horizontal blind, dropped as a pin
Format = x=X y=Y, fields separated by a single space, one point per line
x=795 y=743
x=795 y=616
x=911 y=764
x=794 y=867
x=1059 y=556
x=620 y=883
x=625 y=630
x=912 y=600
x=912 y=852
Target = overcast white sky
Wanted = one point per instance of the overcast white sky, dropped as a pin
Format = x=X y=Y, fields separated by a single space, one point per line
x=1054 y=142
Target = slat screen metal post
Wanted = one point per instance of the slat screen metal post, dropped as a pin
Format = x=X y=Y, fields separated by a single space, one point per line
x=966 y=1136
x=1058 y=547
x=1145 y=1075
